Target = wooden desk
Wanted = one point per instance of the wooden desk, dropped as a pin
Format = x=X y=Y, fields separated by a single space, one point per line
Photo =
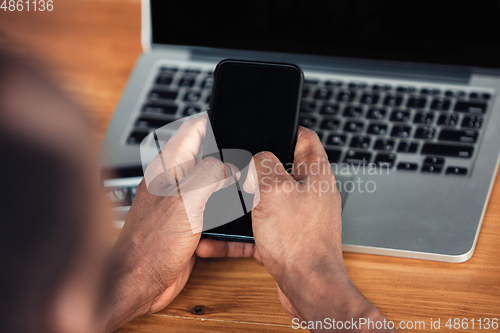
x=91 y=47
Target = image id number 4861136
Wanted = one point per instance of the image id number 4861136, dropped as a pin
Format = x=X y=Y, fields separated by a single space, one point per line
x=27 y=5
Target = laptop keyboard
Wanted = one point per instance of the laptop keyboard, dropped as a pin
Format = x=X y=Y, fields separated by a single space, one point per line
x=402 y=127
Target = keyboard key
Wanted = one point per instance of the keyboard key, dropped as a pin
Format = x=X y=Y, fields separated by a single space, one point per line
x=400 y=131
x=471 y=107
x=430 y=91
x=192 y=70
x=187 y=81
x=472 y=122
x=426 y=133
x=440 y=104
x=164 y=79
x=456 y=171
x=385 y=145
x=322 y=93
x=154 y=108
x=353 y=126
x=377 y=129
x=158 y=95
x=346 y=96
x=454 y=93
x=329 y=109
x=357 y=85
x=402 y=116
x=136 y=137
x=406 y=89
x=167 y=69
x=466 y=136
x=432 y=168
x=448 y=120
x=360 y=142
x=336 y=140
x=369 y=99
x=208 y=83
x=307 y=107
x=334 y=83
x=333 y=155
x=311 y=81
x=391 y=100
x=308 y=122
x=415 y=102
x=447 y=150
x=191 y=110
x=330 y=124
x=320 y=135
x=192 y=96
x=407 y=166
x=305 y=92
x=356 y=157
x=351 y=111
x=376 y=114
x=381 y=87
x=479 y=95
x=144 y=122
x=385 y=160
x=423 y=118
x=434 y=160
x=408 y=147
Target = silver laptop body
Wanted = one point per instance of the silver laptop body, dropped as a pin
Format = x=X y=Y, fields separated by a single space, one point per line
x=441 y=139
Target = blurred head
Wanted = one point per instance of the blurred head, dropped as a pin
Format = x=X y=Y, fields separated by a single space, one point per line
x=52 y=214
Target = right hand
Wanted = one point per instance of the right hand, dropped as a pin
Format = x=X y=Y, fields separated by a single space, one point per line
x=297 y=228
x=297 y=223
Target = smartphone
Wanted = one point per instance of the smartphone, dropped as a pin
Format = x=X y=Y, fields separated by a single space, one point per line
x=254 y=107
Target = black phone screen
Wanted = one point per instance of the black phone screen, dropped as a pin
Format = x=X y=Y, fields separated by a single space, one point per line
x=254 y=107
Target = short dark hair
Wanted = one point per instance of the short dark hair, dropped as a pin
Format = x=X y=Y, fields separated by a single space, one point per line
x=41 y=224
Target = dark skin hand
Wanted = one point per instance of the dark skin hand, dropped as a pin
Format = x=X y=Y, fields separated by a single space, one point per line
x=297 y=229
x=297 y=233
x=154 y=255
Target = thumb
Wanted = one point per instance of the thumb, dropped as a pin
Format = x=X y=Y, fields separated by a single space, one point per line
x=265 y=169
x=207 y=177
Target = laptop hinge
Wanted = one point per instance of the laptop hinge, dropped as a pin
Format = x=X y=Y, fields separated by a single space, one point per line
x=173 y=52
x=349 y=66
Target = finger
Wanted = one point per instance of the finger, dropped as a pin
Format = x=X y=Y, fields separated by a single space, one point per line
x=265 y=170
x=184 y=146
x=181 y=150
x=211 y=248
x=209 y=176
x=310 y=158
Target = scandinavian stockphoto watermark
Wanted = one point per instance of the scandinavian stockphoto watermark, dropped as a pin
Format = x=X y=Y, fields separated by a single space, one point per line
x=171 y=154
x=328 y=182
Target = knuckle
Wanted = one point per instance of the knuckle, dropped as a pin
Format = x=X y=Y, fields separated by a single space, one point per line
x=213 y=169
x=211 y=163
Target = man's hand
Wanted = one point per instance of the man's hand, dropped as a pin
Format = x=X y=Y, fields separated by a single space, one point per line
x=154 y=255
x=297 y=228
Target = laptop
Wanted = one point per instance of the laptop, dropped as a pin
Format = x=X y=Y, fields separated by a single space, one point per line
x=410 y=87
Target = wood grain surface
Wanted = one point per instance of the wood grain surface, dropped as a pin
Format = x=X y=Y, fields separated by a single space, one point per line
x=90 y=48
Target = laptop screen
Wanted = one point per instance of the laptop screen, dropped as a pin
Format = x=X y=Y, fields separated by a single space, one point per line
x=430 y=31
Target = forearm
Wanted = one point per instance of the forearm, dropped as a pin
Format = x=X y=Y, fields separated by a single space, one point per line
x=125 y=295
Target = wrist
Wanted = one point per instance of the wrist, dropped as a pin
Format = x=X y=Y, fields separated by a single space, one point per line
x=126 y=294
x=325 y=291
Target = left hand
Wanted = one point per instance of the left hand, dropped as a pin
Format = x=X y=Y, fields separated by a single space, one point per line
x=210 y=248
x=154 y=254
